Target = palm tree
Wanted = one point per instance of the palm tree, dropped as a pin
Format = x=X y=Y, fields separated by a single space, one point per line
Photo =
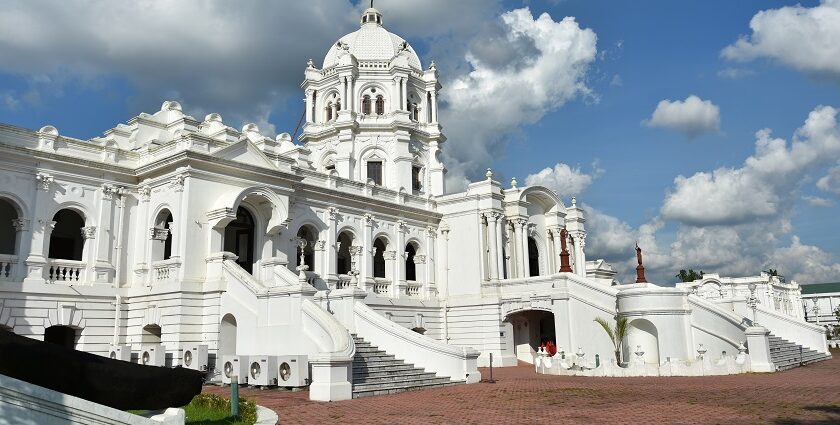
x=616 y=334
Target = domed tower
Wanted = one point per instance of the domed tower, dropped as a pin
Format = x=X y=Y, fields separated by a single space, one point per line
x=371 y=112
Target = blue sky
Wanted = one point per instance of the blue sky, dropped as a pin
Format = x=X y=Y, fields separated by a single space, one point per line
x=84 y=68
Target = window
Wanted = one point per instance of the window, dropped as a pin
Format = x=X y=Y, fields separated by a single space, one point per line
x=380 y=105
x=410 y=267
x=66 y=241
x=366 y=105
x=374 y=172
x=415 y=112
x=379 y=258
x=416 y=178
x=329 y=112
x=533 y=258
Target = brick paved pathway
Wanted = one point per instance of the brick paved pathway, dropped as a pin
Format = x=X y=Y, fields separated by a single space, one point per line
x=807 y=395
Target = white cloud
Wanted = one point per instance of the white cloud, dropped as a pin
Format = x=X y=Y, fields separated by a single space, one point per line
x=520 y=70
x=801 y=37
x=10 y=101
x=692 y=116
x=764 y=187
x=831 y=181
x=735 y=73
x=805 y=263
x=563 y=179
x=816 y=201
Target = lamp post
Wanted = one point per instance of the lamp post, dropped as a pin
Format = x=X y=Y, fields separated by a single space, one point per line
x=302 y=243
x=752 y=302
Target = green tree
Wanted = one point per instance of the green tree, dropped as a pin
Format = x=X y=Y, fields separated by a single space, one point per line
x=616 y=334
x=689 y=276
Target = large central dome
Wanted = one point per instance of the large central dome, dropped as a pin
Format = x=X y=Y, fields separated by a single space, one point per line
x=372 y=42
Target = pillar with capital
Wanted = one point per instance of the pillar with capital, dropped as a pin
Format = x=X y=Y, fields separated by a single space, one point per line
x=399 y=262
x=368 y=251
x=579 y=238
x=331 y=253
x=521 y=230
x=444 y=261
x=36 y=261
x=492 y=244
x=429 y=285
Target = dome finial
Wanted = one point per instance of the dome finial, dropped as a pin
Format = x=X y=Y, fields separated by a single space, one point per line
x=372 y=16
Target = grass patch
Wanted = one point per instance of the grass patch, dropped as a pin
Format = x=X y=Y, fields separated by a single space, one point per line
x=211 y=409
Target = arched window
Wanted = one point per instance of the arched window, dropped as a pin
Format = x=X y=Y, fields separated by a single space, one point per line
x=379 y=247
x=227 y=337
x=314 y=102
x=343 y=260
x=533 y=257
x=416 y=178
x=380 y=105
x=66 y=241
x=337 y=106
x=239 y=239
x=410 y=267
x=366 y=105
x=64 y=336
x=162 y=236
x=307 y=234
x=151 y=335
x=329 y=112
x=8 y=234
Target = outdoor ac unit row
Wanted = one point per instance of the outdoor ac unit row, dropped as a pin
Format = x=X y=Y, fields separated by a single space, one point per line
x=194 y=356
x=292 y=371
x=262 y=370
x=234 y=366
x=120 y=352
x=152 y=355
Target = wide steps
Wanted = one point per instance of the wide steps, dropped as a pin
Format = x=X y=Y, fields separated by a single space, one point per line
x=376 y=372
x=788 y=355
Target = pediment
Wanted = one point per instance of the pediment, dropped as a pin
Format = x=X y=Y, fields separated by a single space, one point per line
x=245 y=152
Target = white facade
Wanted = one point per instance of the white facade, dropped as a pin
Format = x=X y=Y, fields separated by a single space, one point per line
x=772 y=292
x=178 y=231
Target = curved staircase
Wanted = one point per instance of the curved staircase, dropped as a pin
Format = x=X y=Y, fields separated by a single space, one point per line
x=376 y=372
x=788 y=355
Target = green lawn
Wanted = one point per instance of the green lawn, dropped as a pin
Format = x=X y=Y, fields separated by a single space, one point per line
x=211 y=409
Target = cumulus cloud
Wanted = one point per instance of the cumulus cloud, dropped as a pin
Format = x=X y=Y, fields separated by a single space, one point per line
x=763 y=187
x=816 y=201
x=535 y=66
x=10 y=101
x=801 y=37
x=831 y=181
x=563 y=179
x=692 y=116
x=805 y=263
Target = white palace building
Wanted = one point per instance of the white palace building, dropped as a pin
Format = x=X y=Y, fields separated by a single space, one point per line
x=173 y=233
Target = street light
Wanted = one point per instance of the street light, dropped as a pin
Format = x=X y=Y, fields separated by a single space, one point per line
x=752 y=302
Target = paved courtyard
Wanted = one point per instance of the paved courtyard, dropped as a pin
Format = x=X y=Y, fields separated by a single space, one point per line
x=806 y=395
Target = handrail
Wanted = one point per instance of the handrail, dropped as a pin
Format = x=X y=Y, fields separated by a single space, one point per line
x=244 y=277
x=337 y=346
x=455 y=362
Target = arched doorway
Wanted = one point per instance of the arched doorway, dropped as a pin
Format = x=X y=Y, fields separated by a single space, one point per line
x=151 y=335
x=531 y=328
x=343 y=260
x=239 y=239
x=8 y=234
x=410 y=267
x=162 y=248
x=644 y=336
x=64 y=336
x=308 y=234
x=66 y=241
x=379 y=247
x=227 y=336
x=533 y=258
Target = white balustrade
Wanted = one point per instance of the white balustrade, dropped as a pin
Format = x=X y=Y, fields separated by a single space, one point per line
x=343 y=282
x=381 y=286
x=65 y=271
x=412 y=289
x=166 y=270
x=7 y=267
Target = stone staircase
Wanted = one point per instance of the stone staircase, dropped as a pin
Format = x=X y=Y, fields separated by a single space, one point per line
x=376 y=372
x=788 y=355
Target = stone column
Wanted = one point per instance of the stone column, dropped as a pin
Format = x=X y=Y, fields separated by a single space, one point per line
x=492 y=242
x=557 y=247
x=36 y=261
x=345 y=86
x=433 y=107
x=404 y=94
x=399 y=261
x=368 y=252
x=21 y=245
x=429 y=285
x=318 y=251
x=500 y=242
x=444 y=262
x=89 y=253
x=517 y=248
x=331 y=253
x=522 y=235
x=758 y=344
x=103 y=266
x=580 y=258
x=308 y=101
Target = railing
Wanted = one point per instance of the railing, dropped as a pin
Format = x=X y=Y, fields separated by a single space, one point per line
x=343 y=282
x=381 y=286
x=7 y=267
x=412 y=289
x=68 y=271
x=166 y=270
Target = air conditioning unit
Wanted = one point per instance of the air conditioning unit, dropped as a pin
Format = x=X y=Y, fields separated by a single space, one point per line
x=235 y=366
x=262 y=371
x=120 y=352
x=292 y=371
x=194 y=356
x=152 y=355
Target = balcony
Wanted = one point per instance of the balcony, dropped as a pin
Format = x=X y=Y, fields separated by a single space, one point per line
x=8 y=265
x=65 y=271
x=166 y=271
